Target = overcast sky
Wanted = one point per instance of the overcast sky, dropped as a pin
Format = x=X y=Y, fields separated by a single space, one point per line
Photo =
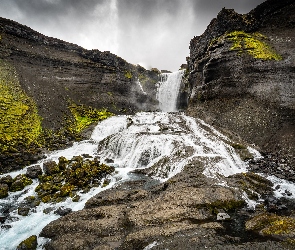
x=153 y=33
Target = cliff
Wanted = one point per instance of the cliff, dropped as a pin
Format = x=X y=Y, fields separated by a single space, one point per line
x=241 y=75
x=240 y=78
x=50 y=84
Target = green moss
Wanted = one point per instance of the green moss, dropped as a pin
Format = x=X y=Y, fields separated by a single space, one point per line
x=29 y=243
x=20 y=123
x=3 y=190
x=75 y=174
x=128 y=74
x=253 y=184
x=227 y=206
x=19 y=183
x=85 y=116
x=271 y=224
x=253 y=43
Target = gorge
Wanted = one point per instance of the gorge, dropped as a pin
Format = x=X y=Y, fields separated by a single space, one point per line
x=208 y=163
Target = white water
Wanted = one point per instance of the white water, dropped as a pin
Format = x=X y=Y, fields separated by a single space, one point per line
x=168 y=90
x=162 y=142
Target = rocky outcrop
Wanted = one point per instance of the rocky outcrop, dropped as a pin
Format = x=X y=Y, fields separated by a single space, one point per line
x=42 y=78
x=242 y=75
x=186 y=212
x=53 y=71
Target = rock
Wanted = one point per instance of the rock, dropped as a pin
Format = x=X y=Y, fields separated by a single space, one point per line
x=34 y=171
x=281 y=227
x=107 y=160
x=244 y=93
x=3 y=190
x=6 y=180
x=63 y=211
x=48 y=210
x=223 y=216
x=89 y=77
x=24 y=211
x=50 y=168
x=28 y=244
x=19 y=183
x=2 y=219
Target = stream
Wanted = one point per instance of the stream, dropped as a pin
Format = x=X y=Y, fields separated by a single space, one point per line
x=162 y=142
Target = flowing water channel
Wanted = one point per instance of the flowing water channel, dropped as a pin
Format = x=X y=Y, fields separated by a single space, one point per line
x=163 y=142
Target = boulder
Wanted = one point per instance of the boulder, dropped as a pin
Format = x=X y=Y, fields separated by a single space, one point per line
x=34 y=171
x=28 y=244
x=3 y=190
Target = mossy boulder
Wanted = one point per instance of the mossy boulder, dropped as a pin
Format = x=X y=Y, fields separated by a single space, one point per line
x=3 y=190
x=6 y=180
x=50 y=168
x=267 y=224
x=252 y=184
x=30 y=243
x=22 y=210
x=19 y=183
x=65 y=178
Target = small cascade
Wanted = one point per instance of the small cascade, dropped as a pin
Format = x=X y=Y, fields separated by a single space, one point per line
x=140 y=86
x=168 y=90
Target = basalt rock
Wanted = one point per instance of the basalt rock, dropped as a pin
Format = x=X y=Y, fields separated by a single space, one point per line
x=241 y=75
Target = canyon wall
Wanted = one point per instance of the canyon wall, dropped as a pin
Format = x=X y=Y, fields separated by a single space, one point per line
x=241 y=74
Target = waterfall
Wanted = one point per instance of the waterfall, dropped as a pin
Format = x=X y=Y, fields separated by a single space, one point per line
x=168 y=90
x=161 y=143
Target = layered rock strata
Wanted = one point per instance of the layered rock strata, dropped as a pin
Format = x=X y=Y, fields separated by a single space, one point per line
x=241 y=73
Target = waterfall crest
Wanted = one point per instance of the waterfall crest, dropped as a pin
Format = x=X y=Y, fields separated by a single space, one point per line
x=168 y=90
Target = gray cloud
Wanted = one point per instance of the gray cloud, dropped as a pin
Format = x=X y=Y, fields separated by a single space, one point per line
x=151 y=32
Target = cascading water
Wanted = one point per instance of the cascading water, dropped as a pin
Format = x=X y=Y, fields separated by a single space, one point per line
x=168 y=90
x=163 y=143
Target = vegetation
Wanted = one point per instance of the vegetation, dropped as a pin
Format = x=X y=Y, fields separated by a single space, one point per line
x=29 y=243
x=227 y=206
x=85 y=116
x=20 y=123
x=254 y=44
x=128 y=74
x=272 y=224
x=69 y=176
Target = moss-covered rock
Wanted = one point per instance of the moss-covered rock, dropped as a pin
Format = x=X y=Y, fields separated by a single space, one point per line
x=30 y=243
x=281 y=227
x=19 y=183
x=22 y=210
x=3 y=190
x=50 y=168
x=6 y=180
x=72 y=175
x=252 y=43
x=252 y=184
x=20 y=123
x=85 y=116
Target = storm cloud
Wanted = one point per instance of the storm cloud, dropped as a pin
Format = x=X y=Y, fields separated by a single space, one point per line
x=153 y=33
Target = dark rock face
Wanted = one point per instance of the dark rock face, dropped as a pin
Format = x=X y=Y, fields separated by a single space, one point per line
x=53 y=72
x=245 y=95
